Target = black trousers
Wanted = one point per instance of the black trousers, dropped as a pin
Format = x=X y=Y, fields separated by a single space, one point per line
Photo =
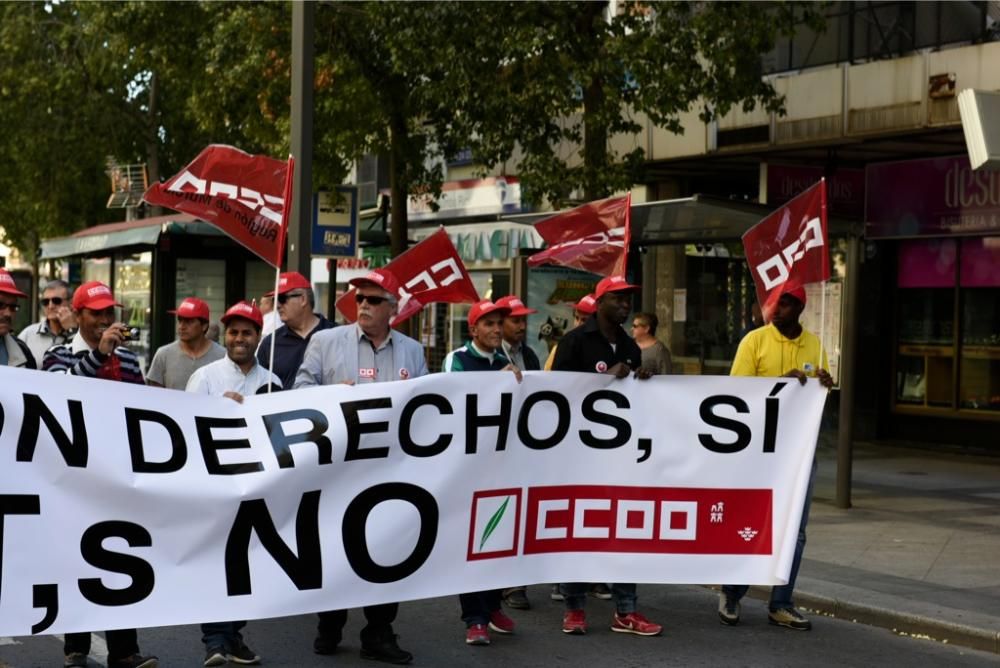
x=379 y=617
x=122 y=643
x=477 y=606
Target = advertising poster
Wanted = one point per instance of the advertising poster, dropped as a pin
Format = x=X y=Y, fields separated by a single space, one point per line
x=553 y=291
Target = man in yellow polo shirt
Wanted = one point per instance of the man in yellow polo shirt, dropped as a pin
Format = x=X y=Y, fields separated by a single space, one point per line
x=780 y=348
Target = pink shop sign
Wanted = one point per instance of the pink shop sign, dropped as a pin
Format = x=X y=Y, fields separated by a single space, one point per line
x=934 y=197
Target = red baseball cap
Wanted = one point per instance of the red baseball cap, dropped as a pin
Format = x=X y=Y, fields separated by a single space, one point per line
x=191 y=307
x=290 y=280
x=586 y=304
x=612 y=284
x=382 y=278
x=8 y=285
x=485 y=307
x=245 y=310
x=93 y=295
x=799 y=293
x=515 y=305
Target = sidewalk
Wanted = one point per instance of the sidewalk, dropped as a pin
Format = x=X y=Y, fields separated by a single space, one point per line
x=919 y=551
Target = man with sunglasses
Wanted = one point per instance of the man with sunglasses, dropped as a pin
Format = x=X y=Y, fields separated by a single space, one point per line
x=13 y=351
x=369 y=351
x=97 y=351
x=296 y=302
x=58 y=324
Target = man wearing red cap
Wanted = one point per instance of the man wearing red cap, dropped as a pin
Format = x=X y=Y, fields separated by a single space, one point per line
x=237 y=374
x=600 y=345
x=515 y=330
x=780 y=348
x=296 y=304
x=13 y=351
x=97 y=351
x=174 y=363
x=481 y=610
x=369 y=351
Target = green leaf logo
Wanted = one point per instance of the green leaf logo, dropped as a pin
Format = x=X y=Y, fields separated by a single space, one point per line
x=494 y=521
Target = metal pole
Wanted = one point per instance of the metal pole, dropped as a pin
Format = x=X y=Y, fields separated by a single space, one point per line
x=303 y=66
x=845 y=431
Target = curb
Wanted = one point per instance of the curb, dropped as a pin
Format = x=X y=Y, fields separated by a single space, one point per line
x=898 y=621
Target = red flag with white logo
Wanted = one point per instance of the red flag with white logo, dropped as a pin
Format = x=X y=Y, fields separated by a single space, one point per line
x=243 y=195
x=789 y=249
x=593 y=237
x=430 y=272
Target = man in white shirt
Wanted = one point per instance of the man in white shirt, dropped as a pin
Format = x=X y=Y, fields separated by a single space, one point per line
x=234 y=376
x=237 y=374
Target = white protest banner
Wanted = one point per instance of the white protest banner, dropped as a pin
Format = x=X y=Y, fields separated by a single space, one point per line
x=123 y=505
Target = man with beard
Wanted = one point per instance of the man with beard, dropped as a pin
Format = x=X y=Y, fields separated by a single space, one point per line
x=781 y=348
x=97 y=351
x=369 y=351
x=515 y=331
x=600 y=345
x=13 y=351
x=57 y=326
x=174 y=363
x=235 y=376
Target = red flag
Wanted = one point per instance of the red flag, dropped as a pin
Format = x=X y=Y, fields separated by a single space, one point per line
x=789 y=248
x=243 y=195
x=593 y=237
x=431 y=271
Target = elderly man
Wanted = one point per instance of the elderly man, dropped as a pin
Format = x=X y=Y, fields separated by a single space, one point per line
x=515 y=330
x=234 y=376
x=781 y=348
x=174 y=363
x=600 y=345
x=58 y=324
x=13 y=351
x=296 y=302
x=97 y=351
x=367 y=352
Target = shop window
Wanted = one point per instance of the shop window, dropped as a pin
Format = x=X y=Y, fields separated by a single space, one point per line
x=940 y=279
x=133 y=288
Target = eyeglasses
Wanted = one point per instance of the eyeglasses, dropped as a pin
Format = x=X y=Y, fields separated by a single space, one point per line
x=288 y=295
x=56 y=301
x=371 y=299
x=8 y=306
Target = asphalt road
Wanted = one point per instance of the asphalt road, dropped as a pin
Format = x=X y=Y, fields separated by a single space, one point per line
x=434 y=633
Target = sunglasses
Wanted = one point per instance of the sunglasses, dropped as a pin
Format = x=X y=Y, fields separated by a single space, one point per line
x=56 y=301
x=13 y=307
x=288 y=295
x=371 y=299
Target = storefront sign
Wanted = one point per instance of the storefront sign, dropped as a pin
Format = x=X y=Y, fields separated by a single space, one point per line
x=471 y=197
x=487 y=242
x=349 y=496
x=936 y=197
x=845 y=188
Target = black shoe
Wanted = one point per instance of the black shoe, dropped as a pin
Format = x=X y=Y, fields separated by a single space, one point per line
x=215 y=656
x=385 y=649
x=76 y=660
x=324 y=644
x=516 y=598
x=242 y=654
x=135 y=661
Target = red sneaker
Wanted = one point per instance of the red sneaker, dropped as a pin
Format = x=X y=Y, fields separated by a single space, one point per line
x=477 y=634
x=501 y=623
x=575 y=622
x=635 y=623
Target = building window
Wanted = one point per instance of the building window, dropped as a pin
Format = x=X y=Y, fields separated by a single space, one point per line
x=948 y=291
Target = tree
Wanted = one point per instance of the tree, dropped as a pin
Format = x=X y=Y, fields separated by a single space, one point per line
x=569 y=75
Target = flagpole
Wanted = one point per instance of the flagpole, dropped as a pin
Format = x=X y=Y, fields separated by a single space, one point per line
x=285 y=211
x=822 y=285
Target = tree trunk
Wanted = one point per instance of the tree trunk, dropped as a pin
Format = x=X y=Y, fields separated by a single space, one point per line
x=398 y=185
x=153 y=141
x=595 y=128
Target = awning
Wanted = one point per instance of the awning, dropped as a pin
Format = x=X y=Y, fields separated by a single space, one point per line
x=141 y=232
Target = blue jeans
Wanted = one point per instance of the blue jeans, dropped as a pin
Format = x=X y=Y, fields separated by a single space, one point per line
x=781 y=596
x=222 y=634
x=575 y=594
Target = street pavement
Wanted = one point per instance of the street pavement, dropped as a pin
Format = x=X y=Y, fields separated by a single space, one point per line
x=908 y=576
